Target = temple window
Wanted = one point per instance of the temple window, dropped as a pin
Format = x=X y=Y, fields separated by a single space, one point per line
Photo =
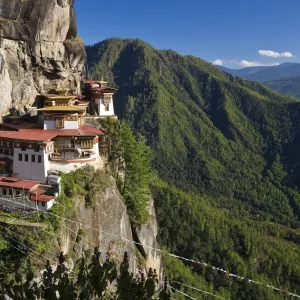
x=37 y=148
x=20 y=157
x=26 y=157
x=33 y=158
x=60 y=123
x=87 y=144
x=39 y=159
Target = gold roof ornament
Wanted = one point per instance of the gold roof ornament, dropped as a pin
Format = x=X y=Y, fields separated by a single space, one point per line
x=61 y=90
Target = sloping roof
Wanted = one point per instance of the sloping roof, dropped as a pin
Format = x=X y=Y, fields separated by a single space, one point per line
x=69 y=108
x=29 y=134
x=104 y=89
x=85 y=129
x=42 y=135
x=94 y=81
x=42 y=198
x=17 y=183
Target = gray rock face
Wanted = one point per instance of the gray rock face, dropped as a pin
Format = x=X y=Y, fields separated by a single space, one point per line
x=147 y=234
x=39 y=50
x=107 y=226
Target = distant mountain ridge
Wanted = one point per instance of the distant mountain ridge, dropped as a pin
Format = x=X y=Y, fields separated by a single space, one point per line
x=289 y=86
x=283 y=78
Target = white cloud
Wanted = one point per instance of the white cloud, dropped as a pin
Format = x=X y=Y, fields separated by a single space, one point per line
x=271 y=53
x=245 y=63
x=218 y=62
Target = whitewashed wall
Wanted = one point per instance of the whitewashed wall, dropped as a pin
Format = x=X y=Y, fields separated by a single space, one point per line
x=101 y=108
x=31 y=170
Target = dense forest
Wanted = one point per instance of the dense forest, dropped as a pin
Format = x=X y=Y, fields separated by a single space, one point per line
x=224 y=150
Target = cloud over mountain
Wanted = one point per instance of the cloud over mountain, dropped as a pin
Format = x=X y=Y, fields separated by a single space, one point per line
x=274 y=54
x=218 y=62
x=245 y=63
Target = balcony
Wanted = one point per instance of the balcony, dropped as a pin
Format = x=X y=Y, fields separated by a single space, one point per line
x=68 y=157
x=63 y=148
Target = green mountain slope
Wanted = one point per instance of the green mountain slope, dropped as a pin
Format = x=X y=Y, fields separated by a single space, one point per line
x=215 y=137
x=290 y=86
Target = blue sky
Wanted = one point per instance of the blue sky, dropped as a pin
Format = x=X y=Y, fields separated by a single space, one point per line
x=232 y=31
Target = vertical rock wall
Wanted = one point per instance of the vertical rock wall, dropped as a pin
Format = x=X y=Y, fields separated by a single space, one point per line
x=111 y=224
x=39 y=50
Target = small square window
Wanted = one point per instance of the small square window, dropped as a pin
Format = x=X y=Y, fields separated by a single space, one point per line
x=60 y=123
x=43 y=204
x=26 y=157
x=23 y=147
x=39 y=159
x=33 y=158
x=37 y=148
x=20 y=157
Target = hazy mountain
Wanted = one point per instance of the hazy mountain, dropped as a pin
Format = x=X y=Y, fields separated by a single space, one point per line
x=265 y=73
x=290 y=86
x=283 y=78
x=243 y=72
x=226 y=154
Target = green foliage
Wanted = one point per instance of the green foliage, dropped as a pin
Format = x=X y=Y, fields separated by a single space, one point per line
x=133 y=172
x=289 y=86
x=226 y=150
x=85 y=182
x=93 y=281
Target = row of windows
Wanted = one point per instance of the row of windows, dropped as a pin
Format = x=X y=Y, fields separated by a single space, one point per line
x=34 y=158
x=23 y=146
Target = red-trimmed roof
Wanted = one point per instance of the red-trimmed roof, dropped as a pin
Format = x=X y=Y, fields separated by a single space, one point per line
x=17 y=183
x=41 y=198
x=29 y=134
x=47 y=135
x=38 y=191
x=85 y=129
x=91 y=81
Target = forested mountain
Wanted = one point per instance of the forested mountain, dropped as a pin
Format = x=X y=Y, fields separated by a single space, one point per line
x=290 y=86
x=227 y=161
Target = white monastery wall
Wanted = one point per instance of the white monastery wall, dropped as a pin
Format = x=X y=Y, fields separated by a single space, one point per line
x=102 y=112
x=71 y=125
x=49 y=124
x=31 y=170
x=67 y=167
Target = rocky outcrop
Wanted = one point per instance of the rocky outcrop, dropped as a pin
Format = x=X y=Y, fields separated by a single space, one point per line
x=107 y=226
x=146 y=235
x=39 y=50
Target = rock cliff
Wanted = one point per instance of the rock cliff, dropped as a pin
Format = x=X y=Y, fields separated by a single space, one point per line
x=111 y=225
x=39 y=50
